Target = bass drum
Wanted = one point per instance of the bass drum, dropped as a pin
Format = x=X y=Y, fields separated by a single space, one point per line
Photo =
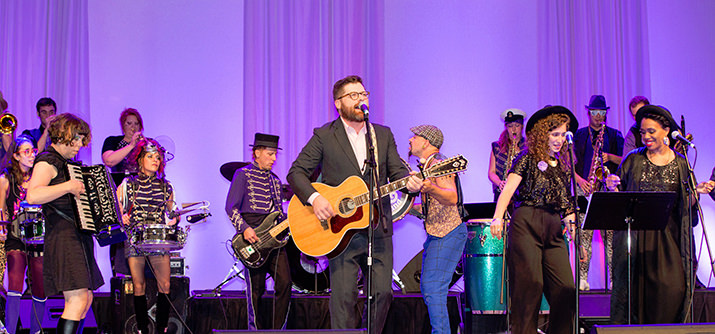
x=309 y=274
x=401 y=202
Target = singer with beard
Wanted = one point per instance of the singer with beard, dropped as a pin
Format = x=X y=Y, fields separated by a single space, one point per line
x=537 y=254
x=144 y=199
x=340 y=147
x=446 y=233
x=255 y=192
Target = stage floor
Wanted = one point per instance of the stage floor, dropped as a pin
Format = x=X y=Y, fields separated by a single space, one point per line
x=204 y=312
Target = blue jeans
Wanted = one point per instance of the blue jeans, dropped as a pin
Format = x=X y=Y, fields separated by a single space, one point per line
x=439 y=261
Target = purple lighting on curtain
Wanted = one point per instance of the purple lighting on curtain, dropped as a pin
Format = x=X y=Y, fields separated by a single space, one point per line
x=587 y=48
x=294 y=52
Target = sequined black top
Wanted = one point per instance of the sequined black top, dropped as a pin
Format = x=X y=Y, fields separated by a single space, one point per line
x=663 y=178
x=542 y=186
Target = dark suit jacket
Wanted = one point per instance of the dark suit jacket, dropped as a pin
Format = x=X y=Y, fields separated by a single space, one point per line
x=330 y=149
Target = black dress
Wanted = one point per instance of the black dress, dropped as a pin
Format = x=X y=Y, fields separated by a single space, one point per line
x=69 y=262
x=659 y=282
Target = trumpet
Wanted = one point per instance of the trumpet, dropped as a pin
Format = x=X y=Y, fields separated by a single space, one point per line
x=8 y=123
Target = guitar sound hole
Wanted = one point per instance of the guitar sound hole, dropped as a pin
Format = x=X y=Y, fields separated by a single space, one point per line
x=346 y=205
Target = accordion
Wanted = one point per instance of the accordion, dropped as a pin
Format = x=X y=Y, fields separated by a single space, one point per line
x=97 y=209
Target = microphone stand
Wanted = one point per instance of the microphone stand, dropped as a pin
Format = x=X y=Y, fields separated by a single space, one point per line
x=374 y=193
x=690 y=188
x=577 y=234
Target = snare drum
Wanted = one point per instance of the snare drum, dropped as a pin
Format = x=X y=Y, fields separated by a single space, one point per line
x=158 y=238
x=31 y=224
x=483 y=270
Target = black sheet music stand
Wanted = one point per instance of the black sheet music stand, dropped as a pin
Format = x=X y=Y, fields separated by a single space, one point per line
x=629 y=211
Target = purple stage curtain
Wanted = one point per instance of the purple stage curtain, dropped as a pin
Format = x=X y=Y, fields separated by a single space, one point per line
x=593 y=47
x=294 y=51
x=44 y=52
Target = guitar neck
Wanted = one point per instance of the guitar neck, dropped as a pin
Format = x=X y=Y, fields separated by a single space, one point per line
x=385 y=190
x=276 y=230
x=446 y=167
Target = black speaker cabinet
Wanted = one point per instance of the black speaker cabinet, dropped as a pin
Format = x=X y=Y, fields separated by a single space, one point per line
x=655 y=329
x=54 y=306
x=124 y=319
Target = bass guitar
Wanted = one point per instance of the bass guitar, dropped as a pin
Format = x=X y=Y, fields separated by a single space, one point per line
x=318 y=238
x=253 y=255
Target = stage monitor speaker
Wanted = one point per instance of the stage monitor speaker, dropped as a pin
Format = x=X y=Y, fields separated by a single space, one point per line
x=54 y=306
x=654 y=329
x=122 y=294
x=412 y=271
x=302 y=331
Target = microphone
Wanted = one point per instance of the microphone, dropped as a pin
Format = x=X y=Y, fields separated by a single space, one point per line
x=677 y=136
x=362 y=106
x=569 y=137
x=195 y=218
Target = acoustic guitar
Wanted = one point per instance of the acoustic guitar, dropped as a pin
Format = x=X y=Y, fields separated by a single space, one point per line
x=330 y=237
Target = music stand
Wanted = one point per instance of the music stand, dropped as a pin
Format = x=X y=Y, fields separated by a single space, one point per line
x=629 y=210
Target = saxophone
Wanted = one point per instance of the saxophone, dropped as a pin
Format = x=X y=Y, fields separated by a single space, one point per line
x=598 y=172
x=513 y=151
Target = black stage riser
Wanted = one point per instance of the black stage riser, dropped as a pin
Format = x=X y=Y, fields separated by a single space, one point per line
x=124 y=319
x=302 y=331
x=407 y=314
x=654 y=329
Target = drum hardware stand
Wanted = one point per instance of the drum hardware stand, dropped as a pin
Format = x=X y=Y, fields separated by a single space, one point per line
x=232 y=274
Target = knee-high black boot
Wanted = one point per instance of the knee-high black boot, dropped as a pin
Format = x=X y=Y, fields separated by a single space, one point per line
x=65 y=326
x=162 y=312
x=140 y=309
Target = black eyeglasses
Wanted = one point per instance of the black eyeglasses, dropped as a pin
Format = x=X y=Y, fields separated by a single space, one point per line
x=355 y=95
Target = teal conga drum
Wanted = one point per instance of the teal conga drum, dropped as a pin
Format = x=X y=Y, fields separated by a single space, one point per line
x=483 y=269
x=484 y=261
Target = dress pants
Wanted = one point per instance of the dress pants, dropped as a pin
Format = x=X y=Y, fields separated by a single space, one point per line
x=277 y=266
x=344 y=312
x=538 y=262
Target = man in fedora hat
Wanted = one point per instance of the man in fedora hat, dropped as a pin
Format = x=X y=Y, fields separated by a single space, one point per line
x=585 y=143
x=255 y=192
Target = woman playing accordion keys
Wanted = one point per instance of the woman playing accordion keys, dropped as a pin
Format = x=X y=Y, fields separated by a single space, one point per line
x=69 y=264
x=145 y=198
x=13 y=189
x=537 y=254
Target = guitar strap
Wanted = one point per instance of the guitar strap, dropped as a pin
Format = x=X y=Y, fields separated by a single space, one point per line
x=371 y=130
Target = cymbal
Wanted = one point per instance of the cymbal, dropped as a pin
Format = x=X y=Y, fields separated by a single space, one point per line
x=229 y=168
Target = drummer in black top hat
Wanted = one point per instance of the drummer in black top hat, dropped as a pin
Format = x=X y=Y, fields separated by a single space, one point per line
x=255 y=192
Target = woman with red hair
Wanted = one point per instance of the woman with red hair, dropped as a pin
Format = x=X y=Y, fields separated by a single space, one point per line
x=144 y=199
